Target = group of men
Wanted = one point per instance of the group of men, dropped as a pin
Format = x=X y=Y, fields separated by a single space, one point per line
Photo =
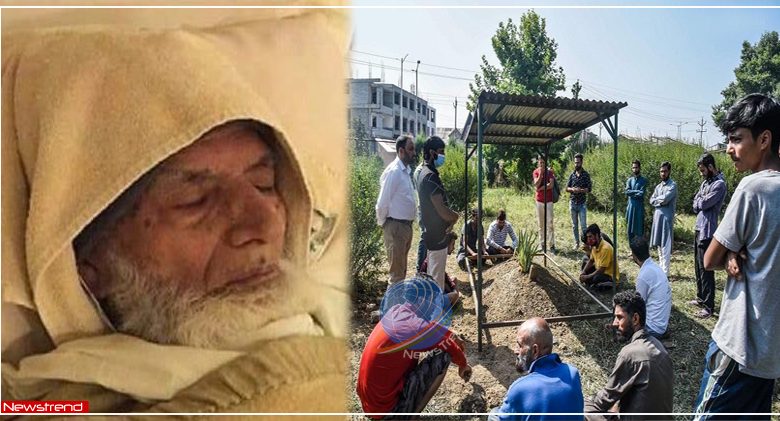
x=396 y=208
x=741 y=363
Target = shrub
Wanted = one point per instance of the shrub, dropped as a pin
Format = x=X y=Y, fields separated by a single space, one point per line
x=685 y=173
x=452 y=176
x=367 y=247
x=527 y=248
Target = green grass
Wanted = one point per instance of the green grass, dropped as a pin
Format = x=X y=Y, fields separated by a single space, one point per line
x=690 y=335
x=584 y=344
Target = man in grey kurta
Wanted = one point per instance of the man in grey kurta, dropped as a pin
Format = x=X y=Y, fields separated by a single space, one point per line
x=642 y=380
x=664 y=200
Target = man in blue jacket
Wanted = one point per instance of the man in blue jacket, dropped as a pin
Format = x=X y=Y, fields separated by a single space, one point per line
x=551 y=386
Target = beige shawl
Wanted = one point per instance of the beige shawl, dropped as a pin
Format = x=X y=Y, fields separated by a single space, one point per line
x=88 y=108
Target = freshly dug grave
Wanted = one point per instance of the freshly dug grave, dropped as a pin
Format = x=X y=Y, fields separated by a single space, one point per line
x=507 y=295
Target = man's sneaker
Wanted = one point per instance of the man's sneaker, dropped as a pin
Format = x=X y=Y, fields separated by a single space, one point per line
x=695 y=303
x=703 y=313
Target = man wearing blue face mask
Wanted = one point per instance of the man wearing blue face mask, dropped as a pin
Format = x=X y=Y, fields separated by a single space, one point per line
x=437 y=217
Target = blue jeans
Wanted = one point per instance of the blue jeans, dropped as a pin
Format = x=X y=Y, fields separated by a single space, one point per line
x=725 y=389
x=580 y=211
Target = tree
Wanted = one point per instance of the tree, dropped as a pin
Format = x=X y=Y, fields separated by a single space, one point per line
x=359 y=137
x=759 y=71
x=575 y=89
x=527 y=61
x=526 y=56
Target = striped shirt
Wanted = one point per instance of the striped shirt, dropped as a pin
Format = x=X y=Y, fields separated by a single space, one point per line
x=497 y=237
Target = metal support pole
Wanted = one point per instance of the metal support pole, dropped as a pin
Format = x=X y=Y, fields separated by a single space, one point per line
x=614 y=200
x=417 y=101
x=546 y=180
x=480 y=249
x=401 y=118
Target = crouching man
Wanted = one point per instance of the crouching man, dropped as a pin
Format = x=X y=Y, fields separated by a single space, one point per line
x=643 y=378
x=407 y=354
x=550 y=386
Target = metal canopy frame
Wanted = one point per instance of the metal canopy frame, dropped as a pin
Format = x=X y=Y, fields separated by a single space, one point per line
x=511 y=119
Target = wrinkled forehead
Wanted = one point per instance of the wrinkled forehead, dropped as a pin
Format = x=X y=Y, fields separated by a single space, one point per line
x=231 y=147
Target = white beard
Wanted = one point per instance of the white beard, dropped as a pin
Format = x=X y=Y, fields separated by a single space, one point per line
x=233 y=318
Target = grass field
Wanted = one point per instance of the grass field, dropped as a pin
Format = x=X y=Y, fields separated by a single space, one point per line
x=584 y=344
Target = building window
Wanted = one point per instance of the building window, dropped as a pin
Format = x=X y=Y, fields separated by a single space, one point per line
x=397 y=125
x=425 y=110
x=433 y=115
x=373 y=121
x=373 y=96
x=411 y=104
x=405 y=103
x=405 y=125
x=397 y=98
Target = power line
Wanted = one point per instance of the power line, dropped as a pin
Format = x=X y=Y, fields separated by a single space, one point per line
x=422 y=64
x=354 y=61
x=609 y=87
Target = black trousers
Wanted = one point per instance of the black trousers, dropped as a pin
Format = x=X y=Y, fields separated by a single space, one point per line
x=705 y=279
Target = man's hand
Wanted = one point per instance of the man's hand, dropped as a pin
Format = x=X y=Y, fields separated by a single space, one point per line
x=465 y=372
x=583 y=277
x=734 y=264
x=458 y=341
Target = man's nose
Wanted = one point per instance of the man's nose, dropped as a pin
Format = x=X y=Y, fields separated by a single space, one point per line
x=254 y=217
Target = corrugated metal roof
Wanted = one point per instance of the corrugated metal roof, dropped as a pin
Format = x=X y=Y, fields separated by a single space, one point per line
x=535 y=120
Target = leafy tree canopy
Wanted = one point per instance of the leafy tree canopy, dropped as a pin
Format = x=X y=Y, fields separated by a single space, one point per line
x=526 y=56
x=758 y=71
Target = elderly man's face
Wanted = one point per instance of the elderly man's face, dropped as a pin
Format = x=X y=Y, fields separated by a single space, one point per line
x=212 y=217
x=203 y=246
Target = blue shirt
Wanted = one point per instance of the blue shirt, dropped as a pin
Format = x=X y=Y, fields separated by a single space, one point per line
x=551 y=386
x=707 y=203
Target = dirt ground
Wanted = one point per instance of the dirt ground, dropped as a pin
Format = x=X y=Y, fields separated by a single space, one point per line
x=507 y=295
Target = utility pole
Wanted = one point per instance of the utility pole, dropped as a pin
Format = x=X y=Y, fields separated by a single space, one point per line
x=679 y=128
x=417 y=102
x=401 y=118
x=701 y=131
x=455 y=105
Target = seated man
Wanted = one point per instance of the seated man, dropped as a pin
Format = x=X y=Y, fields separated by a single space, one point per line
x=161 y=222
x=470 y=234
x=643 y=377
x=392 y=378
x=653 y=285
x=497 y=233
x=599 y=271
x=551 y=386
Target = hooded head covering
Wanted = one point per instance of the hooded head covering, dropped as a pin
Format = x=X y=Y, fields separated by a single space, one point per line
x=88 y=109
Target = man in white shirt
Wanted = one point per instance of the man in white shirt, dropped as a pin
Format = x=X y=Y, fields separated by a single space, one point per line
x=653 y=285
x=497 y=233
x=396 y=207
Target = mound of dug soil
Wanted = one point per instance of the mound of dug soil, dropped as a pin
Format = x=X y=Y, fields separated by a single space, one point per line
x=508 y=294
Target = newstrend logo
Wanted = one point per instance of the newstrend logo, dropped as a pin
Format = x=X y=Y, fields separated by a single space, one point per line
x=416 y=315
x=45 y=407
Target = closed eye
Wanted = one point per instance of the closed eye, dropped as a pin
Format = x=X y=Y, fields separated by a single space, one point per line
x=194 y=203
x=265 y=189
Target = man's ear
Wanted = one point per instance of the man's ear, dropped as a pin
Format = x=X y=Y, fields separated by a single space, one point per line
x=765 y=140
x=635 y=320
x=91 y=272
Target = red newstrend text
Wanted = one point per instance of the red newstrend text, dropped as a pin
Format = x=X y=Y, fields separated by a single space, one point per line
x=41 y=407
